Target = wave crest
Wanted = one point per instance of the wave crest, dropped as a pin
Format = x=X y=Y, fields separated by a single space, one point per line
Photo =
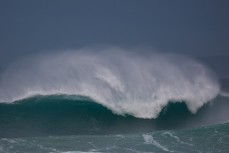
x=124 y=81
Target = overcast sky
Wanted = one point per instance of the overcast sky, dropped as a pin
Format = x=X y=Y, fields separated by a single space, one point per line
x=196 y=27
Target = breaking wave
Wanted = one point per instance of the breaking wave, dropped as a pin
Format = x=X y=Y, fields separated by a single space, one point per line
x=123 y=81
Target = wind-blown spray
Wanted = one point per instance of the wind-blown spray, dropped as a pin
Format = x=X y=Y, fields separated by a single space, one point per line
x=123 y=81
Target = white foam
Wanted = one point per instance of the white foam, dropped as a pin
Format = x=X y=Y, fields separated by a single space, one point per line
x=177 y=138
x=123 y=81
x=150 y=140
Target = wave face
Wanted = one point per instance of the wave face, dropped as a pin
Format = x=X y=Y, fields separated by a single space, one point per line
x=123 y=81
x=73 y=115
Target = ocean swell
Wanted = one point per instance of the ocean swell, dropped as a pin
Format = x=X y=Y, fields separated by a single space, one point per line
x=122 y=80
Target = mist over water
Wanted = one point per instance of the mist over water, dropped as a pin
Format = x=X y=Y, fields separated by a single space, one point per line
x=124 y=81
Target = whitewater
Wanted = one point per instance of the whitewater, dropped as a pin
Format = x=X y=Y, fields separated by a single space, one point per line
x=123 y=80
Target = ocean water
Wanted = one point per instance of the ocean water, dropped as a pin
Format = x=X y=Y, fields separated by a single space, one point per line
x=61 y=124
x=112 y=100
x=212 y=139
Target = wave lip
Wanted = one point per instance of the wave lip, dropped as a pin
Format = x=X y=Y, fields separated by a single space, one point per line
x=123 y=81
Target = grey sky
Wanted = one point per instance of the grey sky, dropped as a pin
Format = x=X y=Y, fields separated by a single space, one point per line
x=197 y=27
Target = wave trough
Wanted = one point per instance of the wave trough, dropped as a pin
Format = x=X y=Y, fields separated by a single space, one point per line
x=124 y=81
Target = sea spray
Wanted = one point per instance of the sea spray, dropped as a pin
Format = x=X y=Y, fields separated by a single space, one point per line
x=121 y=80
